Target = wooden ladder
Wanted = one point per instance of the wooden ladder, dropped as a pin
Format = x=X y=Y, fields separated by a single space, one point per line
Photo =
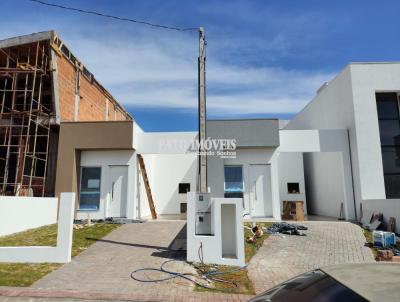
x=147 y=186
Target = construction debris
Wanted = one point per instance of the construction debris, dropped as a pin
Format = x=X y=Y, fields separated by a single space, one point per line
x=293 y=210
x=384 y=255
x=257 y=232
x=375 y=222
x=78 y=226
x=286 y=228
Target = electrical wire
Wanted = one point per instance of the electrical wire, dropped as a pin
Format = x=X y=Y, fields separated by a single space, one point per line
x=206 y=275
x=113 y=17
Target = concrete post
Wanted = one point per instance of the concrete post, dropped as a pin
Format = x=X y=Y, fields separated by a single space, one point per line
x=65 y=226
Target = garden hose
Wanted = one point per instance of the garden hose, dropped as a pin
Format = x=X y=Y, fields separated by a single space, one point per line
x=206 y=275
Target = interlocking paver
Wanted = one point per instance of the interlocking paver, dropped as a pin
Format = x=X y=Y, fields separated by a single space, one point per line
x=326 y=243
x=102 y=272
x=107 y=265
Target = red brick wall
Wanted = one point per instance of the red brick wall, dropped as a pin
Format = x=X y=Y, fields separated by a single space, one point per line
x=66 y=84
x=92 y=103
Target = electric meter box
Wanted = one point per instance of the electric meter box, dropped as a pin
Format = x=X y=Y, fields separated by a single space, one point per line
x=203 y=203
x=203 y=214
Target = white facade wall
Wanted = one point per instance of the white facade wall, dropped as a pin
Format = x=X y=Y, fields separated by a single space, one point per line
x=164 y=142
x=170 y=170
x=285 y=167
x=245 y=158
x=18 y=214
x=165 y=172
x=291 y=170
x=105 y=159
x=324 y=183
x=367 y=79
x=349 y=102
x=332 y=108
x=168 y=162
x=312 y=143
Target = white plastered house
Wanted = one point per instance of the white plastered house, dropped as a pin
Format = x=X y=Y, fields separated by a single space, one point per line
x=329 y=155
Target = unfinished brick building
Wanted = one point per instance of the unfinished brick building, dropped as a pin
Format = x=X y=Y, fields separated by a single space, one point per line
x=41 y=85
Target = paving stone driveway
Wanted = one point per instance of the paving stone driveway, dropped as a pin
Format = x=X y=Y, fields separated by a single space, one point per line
x=103 y=270
x=326 y=243
x=106 y=266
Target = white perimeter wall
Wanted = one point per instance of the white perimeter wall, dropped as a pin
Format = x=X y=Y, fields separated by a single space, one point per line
x=47 y=254
x=18 y=214
x=105 y=159
x=165 y=172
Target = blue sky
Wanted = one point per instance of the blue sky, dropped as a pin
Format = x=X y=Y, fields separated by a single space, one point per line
x=264 y=58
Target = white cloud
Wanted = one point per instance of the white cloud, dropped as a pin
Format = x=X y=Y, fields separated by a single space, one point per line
x=142 y=71
x=159 y=69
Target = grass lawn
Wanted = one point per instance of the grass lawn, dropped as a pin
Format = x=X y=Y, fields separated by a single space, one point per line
x=22 y=274
x=244 y=285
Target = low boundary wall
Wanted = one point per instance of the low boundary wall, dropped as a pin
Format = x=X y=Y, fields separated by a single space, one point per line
x=40 y=254
x=18 y=214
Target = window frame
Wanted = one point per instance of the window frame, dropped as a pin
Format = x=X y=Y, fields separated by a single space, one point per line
x=80 y=188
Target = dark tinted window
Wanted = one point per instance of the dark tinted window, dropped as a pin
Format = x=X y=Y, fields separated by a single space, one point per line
x=392 y=185
x=389 y=129
x=391 y=159
x=389 y=132
x=387 y=105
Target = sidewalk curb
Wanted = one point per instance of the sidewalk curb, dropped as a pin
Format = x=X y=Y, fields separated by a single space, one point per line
x=33 y=293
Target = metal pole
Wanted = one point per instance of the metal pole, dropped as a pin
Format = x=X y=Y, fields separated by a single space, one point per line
x=202 y=112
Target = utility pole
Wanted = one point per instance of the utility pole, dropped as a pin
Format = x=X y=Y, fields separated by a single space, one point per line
x=202 y=113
